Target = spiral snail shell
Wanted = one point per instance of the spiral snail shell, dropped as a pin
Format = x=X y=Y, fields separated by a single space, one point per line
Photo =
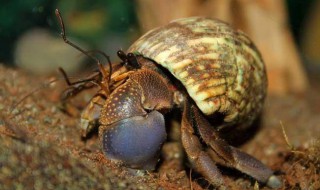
x=220 y=74
x=221 y=68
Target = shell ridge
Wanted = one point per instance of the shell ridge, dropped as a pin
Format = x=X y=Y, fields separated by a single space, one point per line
x=220 y=67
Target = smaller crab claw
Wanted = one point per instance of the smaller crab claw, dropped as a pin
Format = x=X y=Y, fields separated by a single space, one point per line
x=135 y=141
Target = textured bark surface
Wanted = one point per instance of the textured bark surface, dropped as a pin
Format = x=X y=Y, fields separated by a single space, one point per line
x=41 y=147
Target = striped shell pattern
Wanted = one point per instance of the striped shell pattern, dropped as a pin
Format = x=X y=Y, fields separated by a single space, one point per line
x=220 y=67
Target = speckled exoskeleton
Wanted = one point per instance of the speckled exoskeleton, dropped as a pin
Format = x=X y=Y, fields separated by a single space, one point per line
x=213 y=73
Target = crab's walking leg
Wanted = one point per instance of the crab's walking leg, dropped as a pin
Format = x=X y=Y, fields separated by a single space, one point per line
x=200 y=159
x=91 y=114
x=231 y=156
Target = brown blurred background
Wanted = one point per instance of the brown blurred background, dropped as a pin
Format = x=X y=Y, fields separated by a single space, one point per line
x=286 y=32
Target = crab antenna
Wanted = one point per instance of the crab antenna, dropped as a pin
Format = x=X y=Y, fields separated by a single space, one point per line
x=108 y=59
x=32 y=92
x=64 y=37
x=69 y=83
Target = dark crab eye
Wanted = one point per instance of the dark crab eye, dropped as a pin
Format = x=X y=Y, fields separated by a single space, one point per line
x=135 y=141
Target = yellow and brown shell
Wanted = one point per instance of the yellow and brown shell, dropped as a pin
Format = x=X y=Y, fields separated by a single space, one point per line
x=220 y=67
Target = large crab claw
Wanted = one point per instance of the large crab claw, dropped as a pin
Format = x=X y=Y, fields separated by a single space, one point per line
x=132 y=128
x=135 y=141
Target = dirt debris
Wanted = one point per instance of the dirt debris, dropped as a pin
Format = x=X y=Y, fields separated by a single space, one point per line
x=41 y=147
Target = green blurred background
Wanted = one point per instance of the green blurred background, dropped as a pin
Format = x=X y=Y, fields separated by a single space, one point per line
x=107 y=25
x=93 y=23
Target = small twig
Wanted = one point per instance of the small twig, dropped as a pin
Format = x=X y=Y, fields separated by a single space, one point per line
x=285 y=136
x=291 y=147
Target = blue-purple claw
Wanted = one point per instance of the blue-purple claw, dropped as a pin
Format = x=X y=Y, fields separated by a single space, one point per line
x=135 y=141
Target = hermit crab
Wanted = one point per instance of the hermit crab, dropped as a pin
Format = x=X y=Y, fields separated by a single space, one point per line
x=214 y=74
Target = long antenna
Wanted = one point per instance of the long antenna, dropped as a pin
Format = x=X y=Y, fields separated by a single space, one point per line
x=108 y=59
x=32 y=92
x=64 y=37
x=87 y=53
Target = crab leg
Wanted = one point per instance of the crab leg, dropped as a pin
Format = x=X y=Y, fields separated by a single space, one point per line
x=199 y=158
x=229 y=155
x=91 y=114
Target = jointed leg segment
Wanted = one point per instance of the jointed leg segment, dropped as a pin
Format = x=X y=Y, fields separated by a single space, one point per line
x=198 y=157
x=218 y=148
